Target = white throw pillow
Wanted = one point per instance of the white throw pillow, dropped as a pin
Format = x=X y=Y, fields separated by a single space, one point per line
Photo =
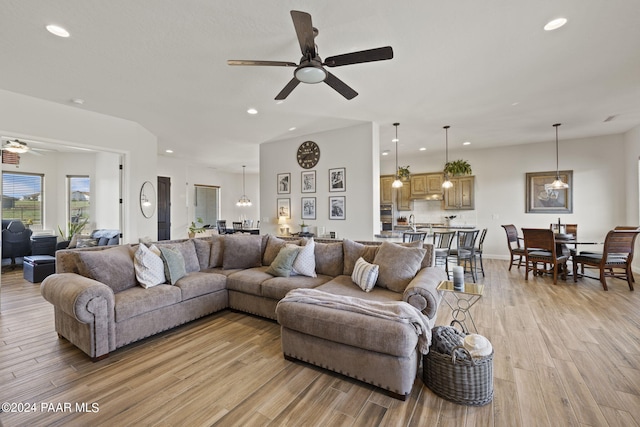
x=305 y=263
x=149 y=266
x=365 y=274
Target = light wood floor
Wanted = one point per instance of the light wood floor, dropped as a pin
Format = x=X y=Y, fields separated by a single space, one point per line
x=564 y=355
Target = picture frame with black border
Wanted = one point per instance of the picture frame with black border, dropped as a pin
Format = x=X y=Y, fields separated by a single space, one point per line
x=284 y=183
x=284 y=208
x=541 y=198
x=337 y=207
x=308 y=182
x=337 y=179
x=308 y=205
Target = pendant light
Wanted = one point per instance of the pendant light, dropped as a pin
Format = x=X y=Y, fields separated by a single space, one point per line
x=447 y=183
x=244 y=200
x=558 y=184
x=397 y=183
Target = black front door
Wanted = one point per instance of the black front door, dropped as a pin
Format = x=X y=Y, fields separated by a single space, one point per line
x=164 y=208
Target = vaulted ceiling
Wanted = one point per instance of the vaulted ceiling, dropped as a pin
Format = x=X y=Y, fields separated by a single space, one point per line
x=487 y=68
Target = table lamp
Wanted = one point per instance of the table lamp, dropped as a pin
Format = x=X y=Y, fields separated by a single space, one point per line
x=284 y=228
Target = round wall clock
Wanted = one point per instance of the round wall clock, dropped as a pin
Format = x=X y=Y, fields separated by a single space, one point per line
x=308 y=154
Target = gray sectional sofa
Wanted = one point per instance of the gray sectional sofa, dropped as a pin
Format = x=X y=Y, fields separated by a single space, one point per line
x=100 y=305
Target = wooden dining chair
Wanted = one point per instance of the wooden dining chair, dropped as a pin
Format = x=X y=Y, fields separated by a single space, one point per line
x=615 y=259
x=221 y=224
x=480 y=247
x=540 y=248
x=516 y=251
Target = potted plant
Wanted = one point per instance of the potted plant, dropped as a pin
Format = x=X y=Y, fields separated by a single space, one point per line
x=304 y=228
x=457 y=167
x=193 y=228
x=403 y=173
x=73 y=228
x=402 y=220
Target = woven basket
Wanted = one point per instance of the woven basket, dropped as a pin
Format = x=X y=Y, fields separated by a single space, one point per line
x=464 y=381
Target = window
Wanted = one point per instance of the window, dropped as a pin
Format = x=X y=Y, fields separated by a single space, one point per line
x=22 y=198
x=79 y=198
x=207 y=204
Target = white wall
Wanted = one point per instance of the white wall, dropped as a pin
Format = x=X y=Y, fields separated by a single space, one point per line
x=32 y=118
x=357 y=149
x=600 y=197
x=185 y=175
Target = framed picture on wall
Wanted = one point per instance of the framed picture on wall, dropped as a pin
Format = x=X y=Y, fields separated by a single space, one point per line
x=541 y=198
x=337 y=207
x=284 y=208
x=308 y=208
x=284 y=183
x=308 y=182
x=337 y=179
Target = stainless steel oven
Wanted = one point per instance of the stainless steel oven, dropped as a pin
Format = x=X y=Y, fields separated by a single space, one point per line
x=386 y=217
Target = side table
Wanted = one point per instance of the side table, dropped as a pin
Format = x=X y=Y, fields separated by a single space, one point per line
x=461 y=301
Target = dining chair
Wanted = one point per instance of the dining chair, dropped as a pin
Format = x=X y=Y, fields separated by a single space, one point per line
x=465 y=252
x=480 y=247
x=615 y=259
x=513 y=242
x=540 y=247
x=442 y=246
x=413 y=236
x=237 y=226
x=221 y=224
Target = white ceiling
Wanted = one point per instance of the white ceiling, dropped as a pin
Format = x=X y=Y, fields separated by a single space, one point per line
x=464 y=63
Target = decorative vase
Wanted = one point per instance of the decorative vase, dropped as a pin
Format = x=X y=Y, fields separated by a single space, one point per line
x=305 y=229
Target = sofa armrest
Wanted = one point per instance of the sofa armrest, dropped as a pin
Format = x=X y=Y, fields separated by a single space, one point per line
x=421 y=292
x=78 y=296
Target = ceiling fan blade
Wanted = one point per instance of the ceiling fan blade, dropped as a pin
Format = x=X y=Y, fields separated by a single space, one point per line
x=370 y=55
x=340 y=86
x=304 y=31
x=265 y=63
x=287 y=89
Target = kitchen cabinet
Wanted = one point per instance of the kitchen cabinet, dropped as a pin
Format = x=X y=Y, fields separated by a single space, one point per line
x=403 y=197
x=427 y=186
x=461 y=195
x=386 y=191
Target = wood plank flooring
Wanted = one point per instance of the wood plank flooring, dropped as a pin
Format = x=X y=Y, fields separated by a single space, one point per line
x=565 y=355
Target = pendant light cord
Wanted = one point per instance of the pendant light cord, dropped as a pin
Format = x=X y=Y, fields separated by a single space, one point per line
x=557 y=155
x=396 y=125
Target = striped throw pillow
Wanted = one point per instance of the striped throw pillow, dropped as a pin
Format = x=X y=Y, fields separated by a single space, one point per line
x=365 y=274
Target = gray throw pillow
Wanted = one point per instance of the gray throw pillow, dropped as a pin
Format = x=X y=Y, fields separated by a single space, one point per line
x=242 y=251
x=353 y=251
x=203 y=251
x=174 y=268
x=188 y=251
x=113 y=267
x=272 y=249
x=398 y=265
x=283 y=263
x=329 y=259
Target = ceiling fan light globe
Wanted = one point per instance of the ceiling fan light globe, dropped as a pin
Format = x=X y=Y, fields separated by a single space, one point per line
x=311 y=74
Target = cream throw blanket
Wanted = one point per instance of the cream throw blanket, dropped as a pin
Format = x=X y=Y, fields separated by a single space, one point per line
x=398 y=311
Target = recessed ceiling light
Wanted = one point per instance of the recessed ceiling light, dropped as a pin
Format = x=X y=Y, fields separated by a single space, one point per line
x=78 y=101
x=279 y=102
x=514 y=104
x=58 y=31
x=466 y=143
x=423 y=149
x=385 y=152
x=555 y=24
x=168 y=151
x=252 y=111
x=291 y=129
x=395 y=140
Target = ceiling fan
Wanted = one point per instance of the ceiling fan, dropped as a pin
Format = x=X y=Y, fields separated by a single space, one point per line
x=311 y=68
x=20 y=147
